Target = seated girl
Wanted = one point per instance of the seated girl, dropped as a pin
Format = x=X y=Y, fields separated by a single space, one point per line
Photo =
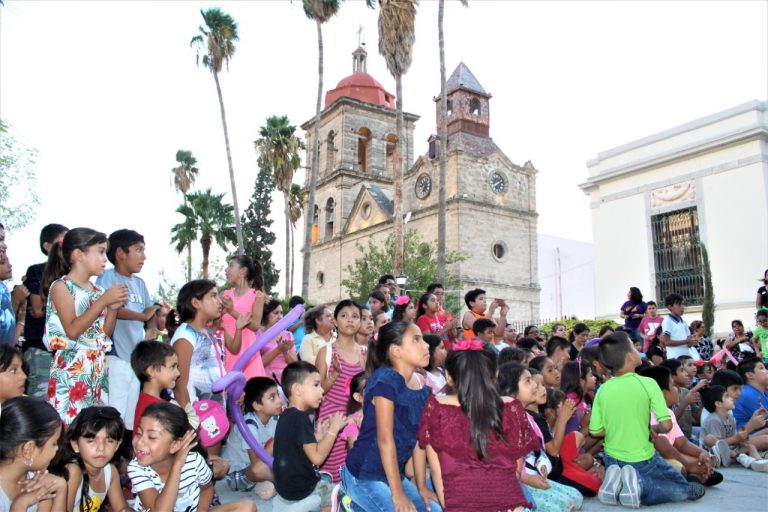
x=482 y=447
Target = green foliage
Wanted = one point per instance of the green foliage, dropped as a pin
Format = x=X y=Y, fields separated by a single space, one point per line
x=594 y=325
x=708 y=307
x=420 y=265
x=257 y=234
x=208 y=218
x=216 y=39
x=18 y=195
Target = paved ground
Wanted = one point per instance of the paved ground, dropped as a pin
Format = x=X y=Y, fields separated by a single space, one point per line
x=742 y=491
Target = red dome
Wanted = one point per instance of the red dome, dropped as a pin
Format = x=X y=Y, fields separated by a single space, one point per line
x=362 y=87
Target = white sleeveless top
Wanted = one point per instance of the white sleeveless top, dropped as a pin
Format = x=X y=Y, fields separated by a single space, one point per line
x=97 y=498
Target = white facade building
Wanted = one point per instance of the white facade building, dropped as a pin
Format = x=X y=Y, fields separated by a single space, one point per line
x=653 y=200
x=566 y=277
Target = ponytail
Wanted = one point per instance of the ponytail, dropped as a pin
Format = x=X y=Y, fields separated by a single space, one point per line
x=60 y=255
x=56 y=267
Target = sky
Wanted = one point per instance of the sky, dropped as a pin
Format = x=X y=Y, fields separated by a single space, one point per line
x=108 y=91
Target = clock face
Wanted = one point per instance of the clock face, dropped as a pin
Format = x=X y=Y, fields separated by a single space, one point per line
x=423 y=186
x=498 y=183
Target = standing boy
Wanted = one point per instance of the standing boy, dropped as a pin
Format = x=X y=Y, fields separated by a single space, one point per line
x=36 y=355
x=126 y=253
x=648 y=325
x=760 y=334
x=635 y=472
x=675 y=334
x=298 y=451
x=475 y=301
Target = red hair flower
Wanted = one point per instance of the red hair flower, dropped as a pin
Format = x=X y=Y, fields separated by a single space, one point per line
x=468 y=344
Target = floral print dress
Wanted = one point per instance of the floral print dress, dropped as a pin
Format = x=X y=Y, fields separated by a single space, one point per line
x=79 y=369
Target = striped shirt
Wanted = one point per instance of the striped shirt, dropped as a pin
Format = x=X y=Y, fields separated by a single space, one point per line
x=194 y=473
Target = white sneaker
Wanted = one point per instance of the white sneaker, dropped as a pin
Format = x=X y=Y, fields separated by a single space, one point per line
x=723 y=452
x=630 y=487
x=760 y=465
x=745 y=460
x=611 y=486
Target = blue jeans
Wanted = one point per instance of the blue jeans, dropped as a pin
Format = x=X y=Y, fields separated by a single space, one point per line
x=376 y=496
x=659 y=482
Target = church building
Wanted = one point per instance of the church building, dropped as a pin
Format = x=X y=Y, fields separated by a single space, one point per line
x=491 y=202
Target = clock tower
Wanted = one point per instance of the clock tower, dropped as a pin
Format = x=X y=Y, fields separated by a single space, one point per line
x=491 y=202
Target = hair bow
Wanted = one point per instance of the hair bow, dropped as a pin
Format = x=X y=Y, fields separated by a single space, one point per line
x=402 y=300
x=468 y=344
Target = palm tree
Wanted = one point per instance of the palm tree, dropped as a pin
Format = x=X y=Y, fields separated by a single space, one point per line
x=320 y=11
x=443 y=144
x=215 y=47
x=278 y=148
x=183 y=178
x=208 y=218
x=397 y=33
x=295 y=208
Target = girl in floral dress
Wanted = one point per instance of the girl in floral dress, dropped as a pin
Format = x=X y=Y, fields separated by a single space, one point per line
x=80 y=317
x=346 y=359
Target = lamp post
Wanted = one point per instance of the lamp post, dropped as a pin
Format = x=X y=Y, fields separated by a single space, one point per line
x=401 y=281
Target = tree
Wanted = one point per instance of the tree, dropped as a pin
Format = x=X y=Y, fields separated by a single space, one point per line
x=18 y=195
x=256 y=227
x=215 y=47
x=419 y=264
x=295 y=209
x=397 y=33
x=441 y=196
x=208 y=218
x=320 y=11
x=278 y=148
x=184 y=176
x=708 y=307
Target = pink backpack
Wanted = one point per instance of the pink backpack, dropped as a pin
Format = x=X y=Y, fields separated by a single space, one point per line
x=214 y=423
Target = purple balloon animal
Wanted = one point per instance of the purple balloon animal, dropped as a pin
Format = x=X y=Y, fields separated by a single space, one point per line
x=234 y=381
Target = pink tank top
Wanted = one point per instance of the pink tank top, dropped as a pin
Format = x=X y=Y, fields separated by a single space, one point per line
x=243 y=304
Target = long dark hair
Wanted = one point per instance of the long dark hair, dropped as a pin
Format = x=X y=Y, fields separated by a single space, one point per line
x=356 y=385
x=473 y=372
x=509 y=378
x=195 y=289
x=60 y=255
x=635 y=296
x=389 y=334
x=577 y=329
x=399 y=310
x=25 y=419
x=570 y=377
x=87 y=423
x=422 y=309
x=255 y=273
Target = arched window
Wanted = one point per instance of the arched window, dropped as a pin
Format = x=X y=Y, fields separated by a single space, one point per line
x=363 y=136
x=329 y=215
x=391 y=141
x=330 y=151
x=474 y=106
x=450 y=107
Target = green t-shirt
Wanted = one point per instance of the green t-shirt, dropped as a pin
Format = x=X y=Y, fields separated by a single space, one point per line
x=761 y=333
x=622 y=409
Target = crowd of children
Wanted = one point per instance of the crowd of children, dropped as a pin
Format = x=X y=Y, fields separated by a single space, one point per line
x=392 y=405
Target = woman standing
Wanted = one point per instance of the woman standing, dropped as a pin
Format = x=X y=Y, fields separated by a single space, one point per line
x=633 y=311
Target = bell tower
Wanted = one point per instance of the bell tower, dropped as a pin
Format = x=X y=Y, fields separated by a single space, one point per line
x=468 y=109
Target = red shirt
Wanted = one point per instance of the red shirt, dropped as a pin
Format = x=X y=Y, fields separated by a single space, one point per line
x=145 y=400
